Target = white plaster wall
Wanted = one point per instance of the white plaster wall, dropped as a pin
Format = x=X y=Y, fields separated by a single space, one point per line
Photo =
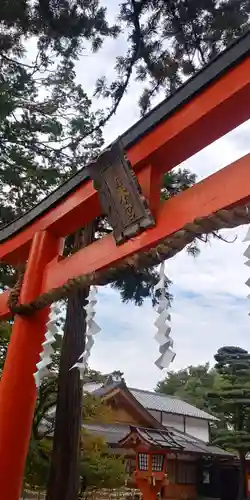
x=176 y=421
x=193 y=426
x=198 y=428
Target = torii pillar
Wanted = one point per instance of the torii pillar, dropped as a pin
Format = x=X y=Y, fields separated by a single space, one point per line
x=207 y=107
x=18 y=390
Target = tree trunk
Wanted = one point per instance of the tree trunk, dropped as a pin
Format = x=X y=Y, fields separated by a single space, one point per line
x=64 y=476
x=242 y=495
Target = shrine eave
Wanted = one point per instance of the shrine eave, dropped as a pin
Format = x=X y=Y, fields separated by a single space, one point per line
x=151 y=438
x=169 y=439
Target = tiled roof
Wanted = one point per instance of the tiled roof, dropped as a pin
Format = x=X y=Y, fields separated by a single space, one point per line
x=191 y=444
x=112 y=433
x=156 y=437
x=168 y=404
x=115 y=432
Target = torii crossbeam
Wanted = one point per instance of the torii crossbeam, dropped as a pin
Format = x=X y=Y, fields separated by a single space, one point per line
x=208 y=106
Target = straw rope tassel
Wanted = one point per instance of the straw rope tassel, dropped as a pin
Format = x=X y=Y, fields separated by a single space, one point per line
x=163 y=324
x=92 y=330
x=47 y=352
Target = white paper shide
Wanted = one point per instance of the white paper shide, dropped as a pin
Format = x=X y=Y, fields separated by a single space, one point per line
x=92 y=330
x=163 y=325
x=46 y=354
x=247 y=255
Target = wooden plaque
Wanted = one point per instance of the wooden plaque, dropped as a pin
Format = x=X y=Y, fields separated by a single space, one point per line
x=120 y=194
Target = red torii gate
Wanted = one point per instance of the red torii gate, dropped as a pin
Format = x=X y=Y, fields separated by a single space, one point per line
x=205 y=108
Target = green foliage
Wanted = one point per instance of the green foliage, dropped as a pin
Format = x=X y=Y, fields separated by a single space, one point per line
x=191 y=384
x=233 y=400
x=169 y=41
x=37 y=464
x=40 y=447
x=94 y=409
x=99 y=467
x=43 y=113
x=61 y=25
x=233 y=396
x=93 y=376
x=47 y=128
x=223 y=391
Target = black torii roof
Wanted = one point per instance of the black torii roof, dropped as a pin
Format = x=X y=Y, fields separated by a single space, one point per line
x=233 y=55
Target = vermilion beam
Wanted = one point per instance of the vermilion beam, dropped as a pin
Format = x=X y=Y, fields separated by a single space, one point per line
x=81 y=205
x=208 y=116
x=214 y=112
x=227 y=188
x=198 y=118
x=151 y=182
x=201 y=200
x=74 y=211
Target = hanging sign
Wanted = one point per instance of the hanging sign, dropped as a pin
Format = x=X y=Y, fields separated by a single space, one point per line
x=120 y=194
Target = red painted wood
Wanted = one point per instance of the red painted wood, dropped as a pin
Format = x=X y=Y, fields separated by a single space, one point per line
x=4 y=310
x=73 y=211
x=17 y=386
x=151 y=183
x=214 y=112
x=201 y=200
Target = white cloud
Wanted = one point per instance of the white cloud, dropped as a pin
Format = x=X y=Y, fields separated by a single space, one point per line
x=210 y=309
x=210 y=306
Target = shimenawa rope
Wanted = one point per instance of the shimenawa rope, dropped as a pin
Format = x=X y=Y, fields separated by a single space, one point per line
x=169 y=247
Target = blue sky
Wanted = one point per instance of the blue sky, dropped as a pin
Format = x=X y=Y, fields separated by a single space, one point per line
x=210 y=307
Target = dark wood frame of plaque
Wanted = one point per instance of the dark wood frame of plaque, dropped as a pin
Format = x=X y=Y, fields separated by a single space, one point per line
x=120 y=194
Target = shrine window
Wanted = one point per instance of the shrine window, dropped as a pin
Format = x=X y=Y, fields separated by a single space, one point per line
x=143 y=461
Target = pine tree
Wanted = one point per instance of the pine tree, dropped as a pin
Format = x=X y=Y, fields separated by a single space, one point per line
x=47 y=129
x=169 y=41
x=233 y=400
x=192 y=384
